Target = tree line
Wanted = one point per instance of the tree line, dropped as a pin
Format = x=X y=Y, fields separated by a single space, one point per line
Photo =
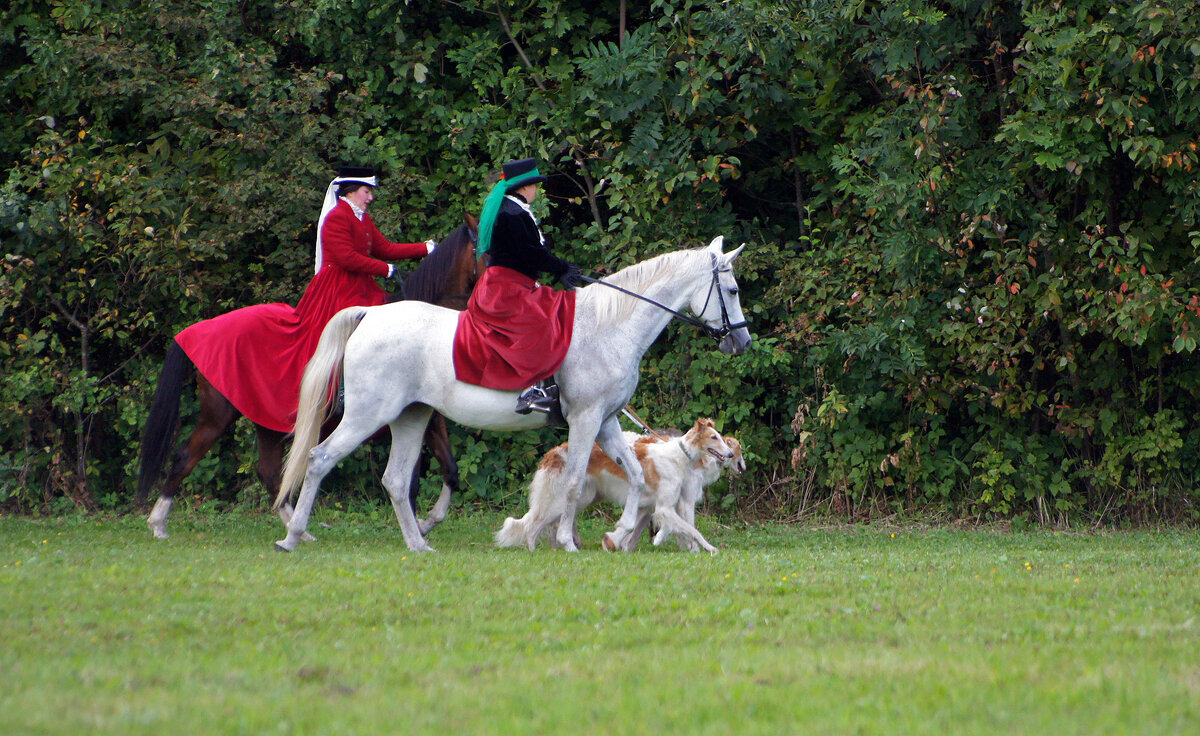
x=972 y=226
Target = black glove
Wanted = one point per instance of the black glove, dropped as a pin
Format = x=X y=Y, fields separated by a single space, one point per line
x=571 y=278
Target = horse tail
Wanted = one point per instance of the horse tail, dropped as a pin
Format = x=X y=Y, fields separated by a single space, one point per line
x=158 y=435
x=315 y=397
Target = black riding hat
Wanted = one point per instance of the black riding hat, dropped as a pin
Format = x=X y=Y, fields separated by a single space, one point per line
x=357 y=175
x=522 y=173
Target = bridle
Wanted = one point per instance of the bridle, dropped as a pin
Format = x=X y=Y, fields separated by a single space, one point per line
x=716 y=333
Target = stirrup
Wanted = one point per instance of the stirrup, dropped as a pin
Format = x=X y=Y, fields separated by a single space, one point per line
x=536 y=398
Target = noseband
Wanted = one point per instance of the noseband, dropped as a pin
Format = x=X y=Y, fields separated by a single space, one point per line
x=716 y=333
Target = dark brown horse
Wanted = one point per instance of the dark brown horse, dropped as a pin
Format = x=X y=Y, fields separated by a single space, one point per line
x=444 y=277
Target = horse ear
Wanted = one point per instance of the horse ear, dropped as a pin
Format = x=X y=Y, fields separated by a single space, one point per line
x=733 y=254
x=716 y=244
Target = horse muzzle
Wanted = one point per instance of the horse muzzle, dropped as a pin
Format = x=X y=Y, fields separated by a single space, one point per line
x=736 y=342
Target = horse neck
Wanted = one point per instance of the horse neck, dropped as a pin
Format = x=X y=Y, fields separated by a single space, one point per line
x=446 y=274
x=648 y=321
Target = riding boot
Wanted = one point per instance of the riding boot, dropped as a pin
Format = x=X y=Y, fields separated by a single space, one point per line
x=542 y=398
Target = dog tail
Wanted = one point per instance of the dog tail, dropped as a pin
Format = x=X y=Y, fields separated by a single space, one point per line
x=528 y=528
x=512 y=534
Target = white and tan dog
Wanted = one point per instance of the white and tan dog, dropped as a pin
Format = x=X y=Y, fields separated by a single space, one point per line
x=676 y=472
x=706 y=470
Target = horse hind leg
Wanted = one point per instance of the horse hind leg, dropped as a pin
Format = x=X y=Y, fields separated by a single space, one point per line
x=437 y=438
x=217 y=415
x=407 y=430
x=321 y=459
x=270 y=471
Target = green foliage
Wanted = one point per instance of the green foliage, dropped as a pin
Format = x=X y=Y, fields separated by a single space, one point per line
x=972 y=227
x=1014 y=260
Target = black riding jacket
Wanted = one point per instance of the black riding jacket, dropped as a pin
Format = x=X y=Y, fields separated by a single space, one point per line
x=517 y=243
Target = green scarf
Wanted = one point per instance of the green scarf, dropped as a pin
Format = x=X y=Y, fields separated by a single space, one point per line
x=491 y=208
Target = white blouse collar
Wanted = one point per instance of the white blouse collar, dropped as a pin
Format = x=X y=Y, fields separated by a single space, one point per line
x=357 y=212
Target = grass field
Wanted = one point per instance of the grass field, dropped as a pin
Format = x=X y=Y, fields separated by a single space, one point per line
x=789 y=630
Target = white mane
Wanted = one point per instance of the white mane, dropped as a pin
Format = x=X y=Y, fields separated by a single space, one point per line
x=613 y=306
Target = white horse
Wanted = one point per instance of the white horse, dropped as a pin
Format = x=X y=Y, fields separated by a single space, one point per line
x=397 y=366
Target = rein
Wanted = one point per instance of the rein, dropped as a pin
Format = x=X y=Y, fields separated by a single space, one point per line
x=716 y=333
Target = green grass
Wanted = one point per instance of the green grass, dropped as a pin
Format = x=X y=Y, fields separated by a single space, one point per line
x=800 y=630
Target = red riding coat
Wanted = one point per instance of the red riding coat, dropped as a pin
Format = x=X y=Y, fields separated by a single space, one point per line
x=255 y=356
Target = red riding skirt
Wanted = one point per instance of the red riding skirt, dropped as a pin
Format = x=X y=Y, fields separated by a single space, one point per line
x=514 y=332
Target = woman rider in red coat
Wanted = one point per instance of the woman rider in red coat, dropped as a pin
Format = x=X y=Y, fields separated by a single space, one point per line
x=255 y=356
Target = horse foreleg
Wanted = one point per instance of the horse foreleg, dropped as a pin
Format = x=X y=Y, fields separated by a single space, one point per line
x=407 y=430
x=612 y=441
x=216 y=416
x=437 y=439
x=569 y=484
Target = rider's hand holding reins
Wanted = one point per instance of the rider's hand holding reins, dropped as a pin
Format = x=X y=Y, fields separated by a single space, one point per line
x=571 y=278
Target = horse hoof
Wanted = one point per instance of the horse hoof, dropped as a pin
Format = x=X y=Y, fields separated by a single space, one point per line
x=607 y=543
x=160 y=533
x=306 y=537
x=281 y=547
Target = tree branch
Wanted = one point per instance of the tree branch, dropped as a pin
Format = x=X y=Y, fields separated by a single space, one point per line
x=587 y=178
x=520 y=50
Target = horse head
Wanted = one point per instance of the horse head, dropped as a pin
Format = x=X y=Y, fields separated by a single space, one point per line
x=721 y=308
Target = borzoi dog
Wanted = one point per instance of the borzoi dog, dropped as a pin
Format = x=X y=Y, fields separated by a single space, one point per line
x=676 y=471
x=705 y=471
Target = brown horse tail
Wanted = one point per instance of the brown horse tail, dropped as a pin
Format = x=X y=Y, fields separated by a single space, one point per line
x=158 y=435
x=318 y=397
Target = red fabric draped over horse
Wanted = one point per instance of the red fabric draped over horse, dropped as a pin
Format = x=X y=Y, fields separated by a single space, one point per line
x=514 y=333
x=256 y=355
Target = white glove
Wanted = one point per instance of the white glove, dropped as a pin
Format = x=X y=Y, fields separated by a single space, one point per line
x=430 y=244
